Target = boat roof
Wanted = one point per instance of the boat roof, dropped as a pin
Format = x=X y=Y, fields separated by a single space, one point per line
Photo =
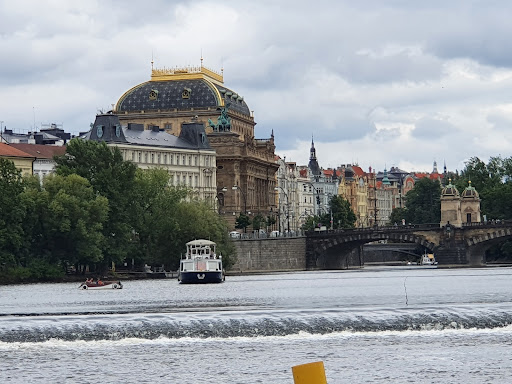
x=200 y=242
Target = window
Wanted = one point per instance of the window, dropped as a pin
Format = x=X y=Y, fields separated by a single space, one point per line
x=184 y=158
x=165 y=159
x=177 y=160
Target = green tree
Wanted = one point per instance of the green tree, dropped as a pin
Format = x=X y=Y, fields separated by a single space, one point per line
x=311 y=223
x=11 y=214
x=202 y=222
x=114 y=179
x=73 y=222
x=258 y=222
x=270 y=221
x=342 y=214
x=242 y=222
x=397 y=214
x=156 y=223
x=423 y=204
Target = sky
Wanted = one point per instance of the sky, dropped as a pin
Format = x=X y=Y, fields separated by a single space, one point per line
x=375 y=83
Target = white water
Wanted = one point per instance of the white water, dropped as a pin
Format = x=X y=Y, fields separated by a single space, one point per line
x=452 y=326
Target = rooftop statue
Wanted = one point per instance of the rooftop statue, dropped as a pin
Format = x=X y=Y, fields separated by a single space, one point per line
x=223 y=121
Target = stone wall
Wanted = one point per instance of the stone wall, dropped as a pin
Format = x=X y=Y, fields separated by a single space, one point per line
x=270 y=255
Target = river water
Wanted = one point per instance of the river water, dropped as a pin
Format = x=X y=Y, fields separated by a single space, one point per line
x=379 y=325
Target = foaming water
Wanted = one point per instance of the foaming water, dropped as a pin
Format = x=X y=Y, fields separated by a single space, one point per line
x=397 y=326
x=202 y=325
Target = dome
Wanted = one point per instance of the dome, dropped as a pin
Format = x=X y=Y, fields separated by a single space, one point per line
x=182 y=89
x=449 y=190
x=470 y=192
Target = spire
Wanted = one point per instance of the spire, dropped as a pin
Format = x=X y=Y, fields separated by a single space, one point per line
x=435 y=167
x=312 y=151
x=385 y=179
x=313 y=163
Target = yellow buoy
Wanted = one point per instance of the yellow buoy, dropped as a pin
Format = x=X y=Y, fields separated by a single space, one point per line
x=311 y=373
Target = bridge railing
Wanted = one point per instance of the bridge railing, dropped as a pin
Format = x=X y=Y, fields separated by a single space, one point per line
x=269 y=235
x=489 y=223
x=401 y=228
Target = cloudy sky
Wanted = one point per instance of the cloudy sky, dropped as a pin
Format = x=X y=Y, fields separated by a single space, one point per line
x=378 y=83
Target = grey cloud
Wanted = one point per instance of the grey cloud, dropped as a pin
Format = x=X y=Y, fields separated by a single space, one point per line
x=431 y=128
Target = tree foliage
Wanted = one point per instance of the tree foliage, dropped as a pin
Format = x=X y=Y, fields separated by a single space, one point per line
x=242 y=222
x=11 y=213
x=423 y=202
x=113 y=178
x=342 y=214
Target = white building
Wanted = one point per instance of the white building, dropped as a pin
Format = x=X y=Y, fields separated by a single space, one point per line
x=189 y=159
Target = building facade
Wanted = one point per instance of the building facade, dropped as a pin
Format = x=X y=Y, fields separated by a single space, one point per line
x=22 y=160
x=189 y=158
x=44 y=164
x=245 y=166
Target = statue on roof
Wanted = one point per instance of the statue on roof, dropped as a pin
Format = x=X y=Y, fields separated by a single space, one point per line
x=223 y=121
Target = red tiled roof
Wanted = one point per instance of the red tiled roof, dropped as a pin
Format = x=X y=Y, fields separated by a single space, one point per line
x=303 y=172
x=40 y=151
x=9 y=151
x=328 y=172
x=358 y=170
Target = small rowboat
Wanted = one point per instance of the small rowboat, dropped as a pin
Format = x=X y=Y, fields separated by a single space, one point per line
x=103 y=285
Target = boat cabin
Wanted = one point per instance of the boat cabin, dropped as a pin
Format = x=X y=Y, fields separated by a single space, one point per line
x=201 y=256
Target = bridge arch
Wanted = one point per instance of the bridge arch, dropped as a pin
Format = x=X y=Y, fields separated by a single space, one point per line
x=343 y=248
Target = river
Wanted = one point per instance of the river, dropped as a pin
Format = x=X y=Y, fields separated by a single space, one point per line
x=376 y=325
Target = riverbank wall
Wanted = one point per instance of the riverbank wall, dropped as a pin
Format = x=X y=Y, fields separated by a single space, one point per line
x=270 y=255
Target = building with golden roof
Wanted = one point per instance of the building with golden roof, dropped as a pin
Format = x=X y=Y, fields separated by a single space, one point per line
x=245 y=166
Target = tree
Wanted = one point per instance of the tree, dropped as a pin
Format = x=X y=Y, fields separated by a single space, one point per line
x=311 y=223
x=423 y=204
x=270 y=221
x=258 y=222
x=202 y=222
x=397 y=214
x=11 y=214
x=242 y=222
x=342 y=214
x=73 y=222
x=156 y=222
x=114 y=179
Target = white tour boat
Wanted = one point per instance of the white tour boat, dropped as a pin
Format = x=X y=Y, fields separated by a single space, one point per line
x=201 y=264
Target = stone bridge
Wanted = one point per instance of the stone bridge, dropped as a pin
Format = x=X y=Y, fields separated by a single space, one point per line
x=338 y=249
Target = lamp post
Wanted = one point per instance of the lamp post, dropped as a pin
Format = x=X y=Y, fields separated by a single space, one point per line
x=287 y=207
